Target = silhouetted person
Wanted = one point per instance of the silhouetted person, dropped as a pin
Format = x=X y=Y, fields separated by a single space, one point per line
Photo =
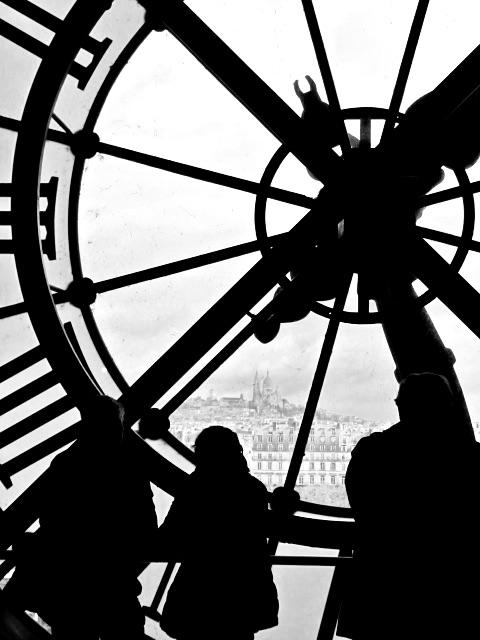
x=96 y=516
x=216 y=526
x=415 y=513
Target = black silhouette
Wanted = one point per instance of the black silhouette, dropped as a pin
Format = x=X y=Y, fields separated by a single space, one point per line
x=415 y=552
x=96 y=516
x=216 y=527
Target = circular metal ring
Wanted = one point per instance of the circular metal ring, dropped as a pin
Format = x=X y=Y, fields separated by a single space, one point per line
x=361 y=317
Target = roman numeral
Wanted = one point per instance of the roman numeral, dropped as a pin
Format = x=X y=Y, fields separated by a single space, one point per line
x=38 y=48
x=48 y=190
x=27 y=392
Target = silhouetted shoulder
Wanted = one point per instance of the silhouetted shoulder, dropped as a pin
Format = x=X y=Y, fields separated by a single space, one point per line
x=378 y=440
x=258 y=486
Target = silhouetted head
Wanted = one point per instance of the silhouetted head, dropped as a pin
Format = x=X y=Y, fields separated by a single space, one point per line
x=425 y=397
x=102 y=423
x=218 y=446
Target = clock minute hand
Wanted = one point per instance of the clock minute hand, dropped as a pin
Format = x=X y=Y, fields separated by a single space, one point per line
x=443 y=126
x=197 y=341
x=245 y=85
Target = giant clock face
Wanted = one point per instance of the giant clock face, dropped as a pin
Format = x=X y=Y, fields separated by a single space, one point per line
x=171 y=222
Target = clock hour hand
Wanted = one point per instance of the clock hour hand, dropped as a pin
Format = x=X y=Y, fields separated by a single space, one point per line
x=244 y=84
x=209 y=329
x=442 y=127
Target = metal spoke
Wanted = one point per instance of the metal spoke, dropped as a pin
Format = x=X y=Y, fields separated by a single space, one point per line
x=405 y=67
x=62 y=124
x=20 y=307
x=317 y=385
x=226 y=312
x=11 y=124
x=324 y=66
x=365 y=141
x=205 y=175
x=448 y=285
x=447 y=194
x=180 y=266
x=363 y=300
x=447 y=238
x=248 y=88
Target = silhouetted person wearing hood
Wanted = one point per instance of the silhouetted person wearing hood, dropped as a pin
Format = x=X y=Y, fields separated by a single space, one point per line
x=415 y=515
x=216 y=527
x=96 y=516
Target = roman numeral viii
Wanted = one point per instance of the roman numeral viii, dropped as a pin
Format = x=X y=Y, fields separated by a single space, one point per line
x=50 y=411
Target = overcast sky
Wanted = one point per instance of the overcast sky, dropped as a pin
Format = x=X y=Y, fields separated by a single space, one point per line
x=166 y=104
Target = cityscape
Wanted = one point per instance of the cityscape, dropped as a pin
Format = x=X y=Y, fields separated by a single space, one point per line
x=267 y=425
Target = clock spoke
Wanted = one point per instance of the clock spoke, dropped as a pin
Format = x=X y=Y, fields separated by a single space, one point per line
x=317 y=384
x=324 y=66
x=448 y=194
x=225 y=313
x=205 y=175
x=405 y=67
x=20 y=307
x=448 y=285
x=447 y=238
x=247 y=87
x=185 y=264
x=11 y=124
x=62 y=124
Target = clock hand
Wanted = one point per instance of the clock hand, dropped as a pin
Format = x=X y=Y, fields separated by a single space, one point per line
x=442 y=126
x=448 y=285
x=246 y=86
x=197 y=341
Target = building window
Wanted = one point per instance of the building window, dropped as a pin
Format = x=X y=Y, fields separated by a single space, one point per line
x=322 y=479
x=280 y=447
x=322 y=466
x=269 y=437
x=270 y=466
x=259 y=465
x=332 y=479
x=300 y=479
x=312 y=466
x=280 y=465
x=280 y=437
x=312 y=479
x=333 y=466
x=343 y=479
